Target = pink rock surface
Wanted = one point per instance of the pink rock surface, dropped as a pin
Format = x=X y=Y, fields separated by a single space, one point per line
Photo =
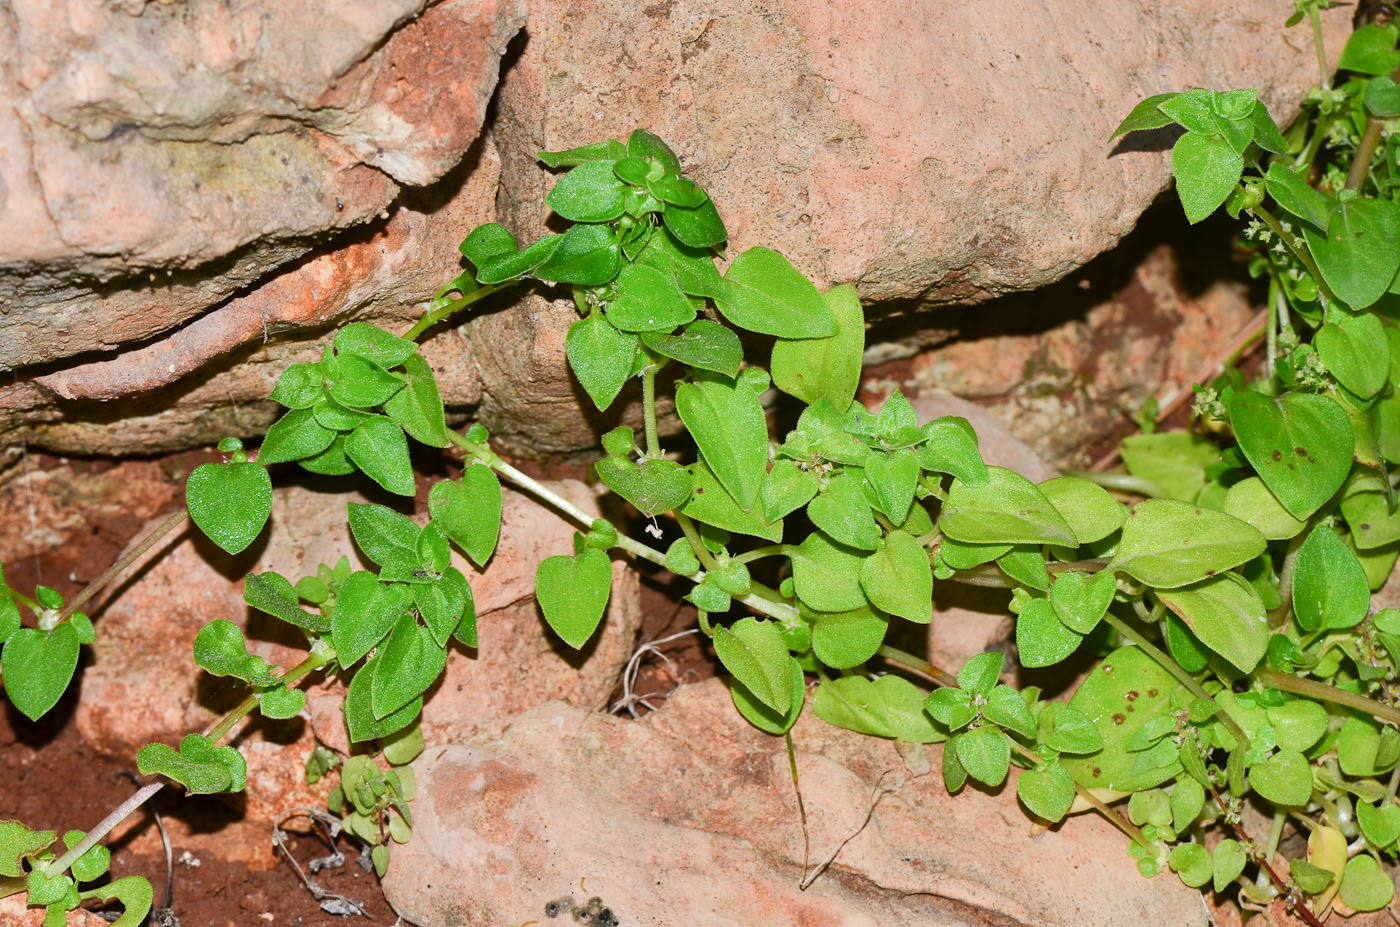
x=689 y=817
x=14 y=913
x=143 y=686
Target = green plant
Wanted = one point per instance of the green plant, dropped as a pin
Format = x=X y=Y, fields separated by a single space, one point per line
x=1225 y=614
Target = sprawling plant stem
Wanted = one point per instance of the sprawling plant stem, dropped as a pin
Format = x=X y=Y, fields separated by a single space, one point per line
x=430 y=319
x=177 y=520
x=1325 y=693
x=649 y=411
x=1301 y=254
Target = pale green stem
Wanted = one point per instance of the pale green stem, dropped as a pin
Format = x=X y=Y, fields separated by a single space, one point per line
x=1300 y=253
x=758 y=553
x=1325 y=693
x=649 y=412
x=1171 y=666
x=697 y=543
x=1122 y=482
x=430 y=319
x=291 y=677
x=159 y=531
x=1320 y=48
x=942 y=677
x=1275 y=834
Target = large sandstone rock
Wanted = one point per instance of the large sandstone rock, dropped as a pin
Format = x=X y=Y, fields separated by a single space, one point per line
x=143 y=686
x=688 y=816
x=157 y=160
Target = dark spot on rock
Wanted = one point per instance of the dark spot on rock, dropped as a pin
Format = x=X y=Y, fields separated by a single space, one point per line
x=1119 y=718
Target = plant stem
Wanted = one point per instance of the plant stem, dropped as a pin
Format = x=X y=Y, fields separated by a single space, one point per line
x=1366 y=148
x=1325 y=693
x=697 y=543
x=1122 y=482
x=649 y=412
x=430 y=319
x=314 y=661
x=176 y=520
x=1320 y=48
x=1300 y=253
x=942 y=677
x=758 y=553
x=1170 y=665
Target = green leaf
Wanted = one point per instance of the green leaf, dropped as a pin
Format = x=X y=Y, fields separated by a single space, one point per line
x=843 y=512
x=889 y=706
x=1167 y=543
x=1047 y=791
x=979 y=675
x=1380 y=825
x=1025 y=564
x=950 y=446
x=507 y=266
x=1356 y=352
x=755 y=653
x=759 y=714
x=609 y=150
x=382 y=534
x=409 y=662
x=294 y=436
x=764 y=293
x=299 y=386
x=1227 y=862
x=487 y=241
x=38 y=666
x=703 y=344
x=57 y=893
x=417 y=408
x=1087 y=508
x=365 y=611
x=826 y=575
x=1193 y=111
x=711 y=504
x=360 y=721
x=1284 y=779
x=9 y=612
x=654 y=486
x=898 y=578
x=588 y=255
x=380 y=450
x=727 y=422
x=361 y=384
x=1366 y=507
x=601 y=357
x=813 y=368
x=445 y=604
x=199 y=766
x=573 y=593
x=1206 y=169
x=1174 y=462
x=337 y=417
x=697 y=227
x=17 y=843
x=648 y=301
x=220 y=650
x=1371 y=50
x=1187 y=801
x=693 y=269
x=281 y=703
x=1250 y=501
x=1357 y=256
x=373 y=344
x=1298 y=724
x=951 y=708
x=1300 y=444
x=1329 y=585
x=1124 y=693
x=1041 y=638
x=1266 y=132
x=1365 y=887
x=1007 y=509
x=1358 y=743
x=1294 y=194
x=1192 y=862
x=1225 y=614
x=271 y=593
x=845 y=639
x=330 y=462
x=892 y=477
x=644 y=144
x=1069 y=731
x=1006 y=708
x=985 y=752
x=1383 y=98
x=229 y=502
x=1147 y=115
x=1080 y=601
x=787 y=488
x=590 y=192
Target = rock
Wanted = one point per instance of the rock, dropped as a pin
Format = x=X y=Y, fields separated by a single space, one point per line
x=157 y=163
x=1063 y=386
x=690 y=815
x=14 y=913
x=136 y=692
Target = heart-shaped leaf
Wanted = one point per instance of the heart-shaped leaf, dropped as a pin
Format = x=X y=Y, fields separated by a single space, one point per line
x=813 y=368
x=654 y=486
x=1006 y=509
x=1284 y=779
x=1356 y=352
x=220 y=650
x=1225 y=614
x=1206 y=168
x=1357 y=255
x=360 y=721
x=38 y=666
x=1041 y=638
x=409 y=662
x=843 y=512
x=199 y=765
x=417 y=408
x=845 y=639
x=703 y=344
x=764 y=293
x=1047 y=791
x=445 y=604
x=365 y=611
x=601 y=357
x=469 y=510
x=573 y=593
x=827 y=575
x=1329 y=585
x=1080 y=601
x=648 y=301
x=1365 y=886
x=1380 y=825
x=230 y=502
x=898 y=578
x=985 y=753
